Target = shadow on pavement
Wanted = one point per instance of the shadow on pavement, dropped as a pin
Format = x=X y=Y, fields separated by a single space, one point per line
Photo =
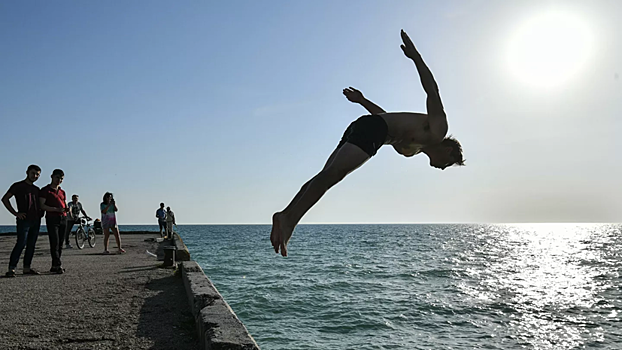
x=178 y=330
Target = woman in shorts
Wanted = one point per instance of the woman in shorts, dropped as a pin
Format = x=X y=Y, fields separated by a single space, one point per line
x=109 y=221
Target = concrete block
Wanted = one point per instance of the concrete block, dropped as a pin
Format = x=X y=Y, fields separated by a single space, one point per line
x=218 y=326
x=182 y=254
x=222 y=330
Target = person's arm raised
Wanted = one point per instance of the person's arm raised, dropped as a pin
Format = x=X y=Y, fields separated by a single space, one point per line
x=435 y=110
x=355 y=96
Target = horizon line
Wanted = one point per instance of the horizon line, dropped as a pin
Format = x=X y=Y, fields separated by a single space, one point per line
x=375 y=223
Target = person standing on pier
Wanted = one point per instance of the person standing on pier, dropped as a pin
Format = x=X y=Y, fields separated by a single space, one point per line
x=28 y=219
x=54 y=201
x=161 y=215
x=170 y=221
x=109 y=221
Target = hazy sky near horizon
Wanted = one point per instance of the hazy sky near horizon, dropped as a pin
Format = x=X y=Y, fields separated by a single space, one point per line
x=222 y=110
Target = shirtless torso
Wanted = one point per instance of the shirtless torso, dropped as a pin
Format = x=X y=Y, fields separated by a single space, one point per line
x=409 y=132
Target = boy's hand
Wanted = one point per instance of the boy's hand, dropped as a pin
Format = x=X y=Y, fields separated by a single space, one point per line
x=408 y=47
x=353 y=95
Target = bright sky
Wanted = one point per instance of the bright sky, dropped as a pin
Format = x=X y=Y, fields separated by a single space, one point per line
x=222 y=110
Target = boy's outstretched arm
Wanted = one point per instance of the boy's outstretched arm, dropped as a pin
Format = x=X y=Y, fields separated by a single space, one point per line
x=355 y=96
x=436 y=112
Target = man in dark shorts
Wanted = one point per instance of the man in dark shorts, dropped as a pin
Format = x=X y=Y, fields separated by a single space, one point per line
x=28 y=217
x=54 y=201
x=408 y=133
x=161 y=215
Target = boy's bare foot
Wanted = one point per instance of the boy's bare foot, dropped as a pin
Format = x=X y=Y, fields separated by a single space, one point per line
x=275 y=234
x=281 y=233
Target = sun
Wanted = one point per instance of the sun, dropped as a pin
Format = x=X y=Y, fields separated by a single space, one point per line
x=549 y=49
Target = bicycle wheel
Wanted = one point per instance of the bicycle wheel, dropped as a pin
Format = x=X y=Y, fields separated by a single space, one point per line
x=92 y=238
x=80 y=237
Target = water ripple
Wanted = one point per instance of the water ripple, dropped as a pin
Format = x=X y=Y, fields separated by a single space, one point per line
x=547 y=286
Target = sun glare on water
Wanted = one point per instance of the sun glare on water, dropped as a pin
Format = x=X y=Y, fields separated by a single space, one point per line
x=549 y=49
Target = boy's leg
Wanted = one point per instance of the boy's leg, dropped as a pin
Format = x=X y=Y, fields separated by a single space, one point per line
x=31 y=241
x=70 y=224
x=56 y=239
x=22 y=232
x=52 y=227
x=347 y=159
x=62 y=230
x=304 y=187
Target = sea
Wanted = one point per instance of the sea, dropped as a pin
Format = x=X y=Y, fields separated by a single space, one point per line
x=458 y=286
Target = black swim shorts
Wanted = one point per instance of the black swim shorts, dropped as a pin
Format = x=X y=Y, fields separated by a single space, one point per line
x=369 y=133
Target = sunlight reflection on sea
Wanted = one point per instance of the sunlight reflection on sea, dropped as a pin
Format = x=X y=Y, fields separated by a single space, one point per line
x=541 y=286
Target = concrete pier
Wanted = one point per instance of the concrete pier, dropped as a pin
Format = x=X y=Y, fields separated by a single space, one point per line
x=116 y=301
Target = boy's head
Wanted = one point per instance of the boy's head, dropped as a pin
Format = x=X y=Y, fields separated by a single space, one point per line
x=445 y=154
x=57 y=177
x=33 y=172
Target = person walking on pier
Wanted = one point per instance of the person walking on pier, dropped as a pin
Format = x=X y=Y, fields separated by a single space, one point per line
x=161 y=215
x=28 y=219
x=75 y=208
x=54 y=201
x=109 y=221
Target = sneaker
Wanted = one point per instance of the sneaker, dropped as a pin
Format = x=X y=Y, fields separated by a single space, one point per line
x=57 y=269
x=68 y=246
x=31 y=271
x=10 y=273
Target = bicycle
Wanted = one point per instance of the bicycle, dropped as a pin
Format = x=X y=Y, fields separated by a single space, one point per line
x=85 y=232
